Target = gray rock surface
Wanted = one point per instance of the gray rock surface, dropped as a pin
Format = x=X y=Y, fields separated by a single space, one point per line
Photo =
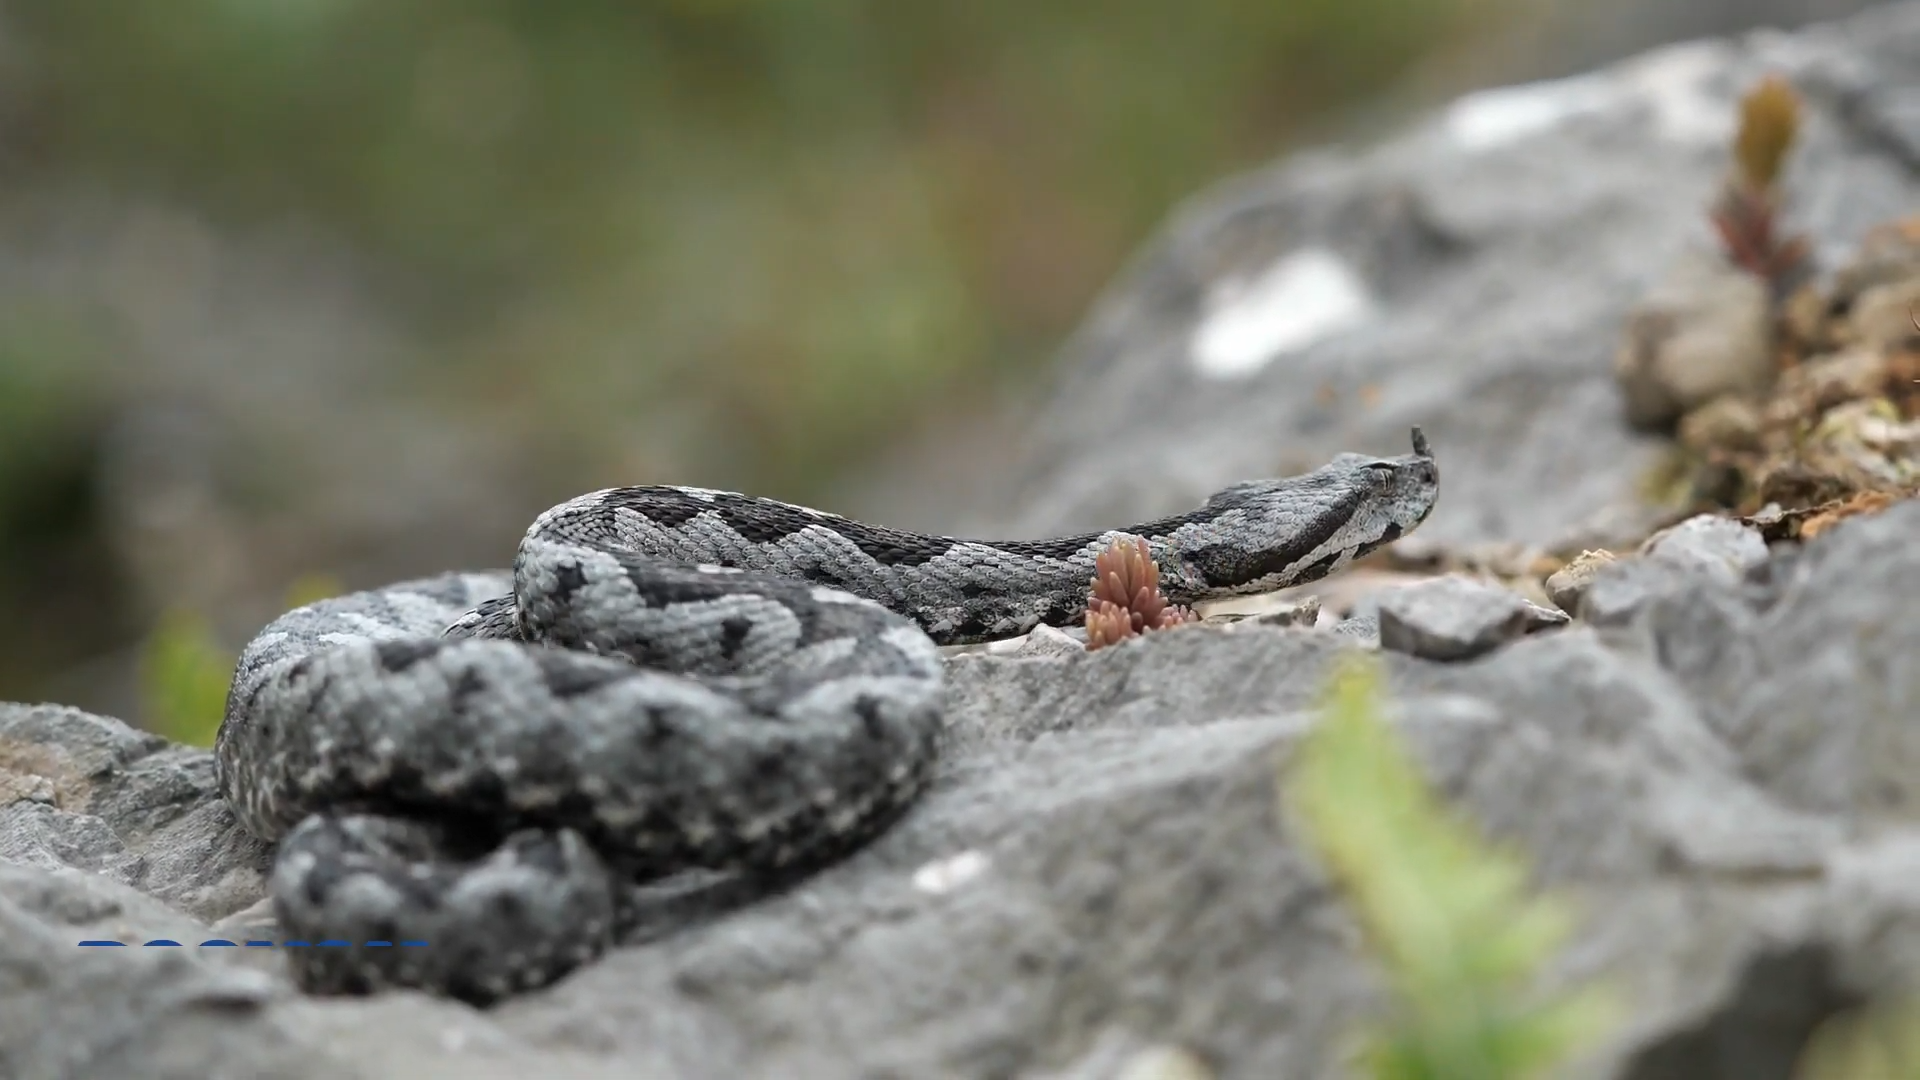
x=1670 y=561
x=1567 y=587
x=94 y=794
x=1050 y=641
x=1705 y=331
x=1721 y=548
x=1457 y=618
x=1724 y=784
x=1302 y=612
x=1619 y=590
x=1473 y=274
x=1361 y=628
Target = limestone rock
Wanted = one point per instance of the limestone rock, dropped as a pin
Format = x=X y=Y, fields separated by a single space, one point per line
x=1671 y=561
x=124 y=804
x=1704 y=333
x=1720 y=547
x=1567 y=586
x=1050 y=641
x=1457 y=618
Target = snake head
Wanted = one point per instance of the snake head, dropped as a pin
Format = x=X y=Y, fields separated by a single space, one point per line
x=1407 y=487
x=1394 y=494
x=1261 y=535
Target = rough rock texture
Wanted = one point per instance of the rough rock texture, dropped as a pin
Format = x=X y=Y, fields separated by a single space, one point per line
x=96 y=795
x=1725 y=783
x=1456 y=618
x=1473 y=274
x=1707 y=330
x=1720 y=548
x=1702 y=547
x=1567 y=586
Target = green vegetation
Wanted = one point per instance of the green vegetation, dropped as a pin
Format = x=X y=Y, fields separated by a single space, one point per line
x=185 y=674
x=50 y=578
x=1460 y=941
x=1881 y=1043
x=765 y=234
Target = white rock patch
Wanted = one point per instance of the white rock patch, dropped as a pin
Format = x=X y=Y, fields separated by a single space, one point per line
x=1492 y=118
x=946 y=875
x=1300 y=300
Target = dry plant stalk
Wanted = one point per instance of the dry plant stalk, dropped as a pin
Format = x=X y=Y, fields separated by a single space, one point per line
x=1126 y=598
x=1769 y=122
x=1747 y=213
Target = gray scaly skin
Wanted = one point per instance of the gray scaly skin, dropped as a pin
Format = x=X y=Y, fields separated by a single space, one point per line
x=669 y=678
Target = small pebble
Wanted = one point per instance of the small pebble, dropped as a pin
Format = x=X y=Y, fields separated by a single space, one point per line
x=1722 y=548
x=1567 y=586
x=1365 y=628
x=1051 y=641
x=1457 y=618
x=1302 y=612
x=1166 y=1063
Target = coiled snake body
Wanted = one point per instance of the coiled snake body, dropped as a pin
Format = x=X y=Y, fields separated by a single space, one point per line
x=669 y=678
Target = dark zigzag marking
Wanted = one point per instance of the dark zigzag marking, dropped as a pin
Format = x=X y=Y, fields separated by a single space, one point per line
x=568 y=579
x=766 y=521
x=733 y=635
x=399 y=654
x=566 y=676
x=663 y=506
x=1224 y=564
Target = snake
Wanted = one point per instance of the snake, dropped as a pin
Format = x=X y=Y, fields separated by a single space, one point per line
x=459 y=777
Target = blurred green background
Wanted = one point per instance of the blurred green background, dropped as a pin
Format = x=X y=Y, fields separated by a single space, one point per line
x=355 y=287
x=805 y=220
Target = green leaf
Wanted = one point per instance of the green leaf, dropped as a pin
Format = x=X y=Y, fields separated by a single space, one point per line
x=1878 y=1043
x=185 y=673
x=1461 y=941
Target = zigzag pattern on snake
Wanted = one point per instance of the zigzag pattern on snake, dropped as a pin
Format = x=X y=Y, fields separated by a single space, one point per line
x=669 y=678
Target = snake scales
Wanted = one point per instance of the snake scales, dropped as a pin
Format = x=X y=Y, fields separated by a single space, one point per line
x=669 y=678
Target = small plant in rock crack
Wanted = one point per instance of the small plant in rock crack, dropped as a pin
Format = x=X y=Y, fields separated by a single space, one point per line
x=1747 y=213
x=1126 y=598
x=1462 y=940
x=184 y=671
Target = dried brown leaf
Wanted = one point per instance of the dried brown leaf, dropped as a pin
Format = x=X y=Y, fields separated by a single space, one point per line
x=1867 y=502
